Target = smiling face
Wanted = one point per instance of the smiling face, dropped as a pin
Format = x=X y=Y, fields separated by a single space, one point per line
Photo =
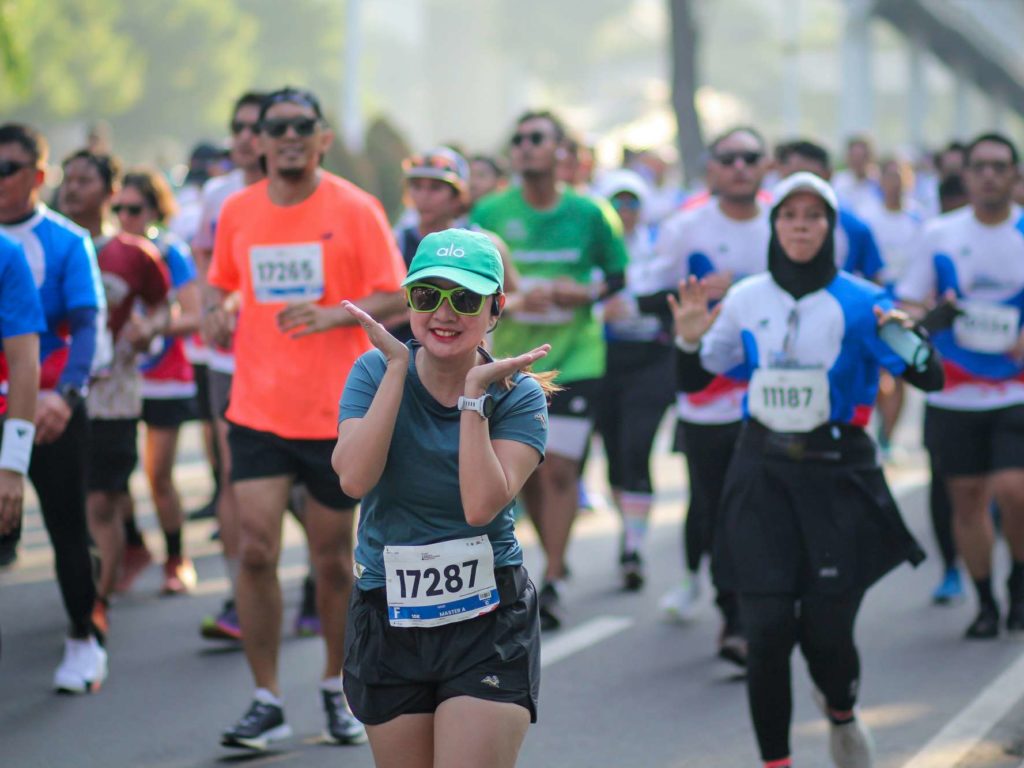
x=292 y=153
x=444 y=333
x=801 y=225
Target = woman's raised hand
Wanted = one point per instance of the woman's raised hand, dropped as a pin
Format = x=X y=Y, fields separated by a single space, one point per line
x=690 y=310
x=482 y=376
x=394 y=350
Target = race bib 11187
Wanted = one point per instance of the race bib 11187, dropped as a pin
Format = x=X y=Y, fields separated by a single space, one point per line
x=789 y=399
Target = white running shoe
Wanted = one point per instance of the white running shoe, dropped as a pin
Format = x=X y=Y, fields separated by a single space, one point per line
x=83 y=669
x=850 y=743
x=682 y=604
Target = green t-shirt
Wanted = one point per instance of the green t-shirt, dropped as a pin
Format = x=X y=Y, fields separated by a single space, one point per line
x=573 y=239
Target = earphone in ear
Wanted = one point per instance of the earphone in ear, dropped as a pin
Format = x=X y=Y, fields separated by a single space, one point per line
x=495 y=307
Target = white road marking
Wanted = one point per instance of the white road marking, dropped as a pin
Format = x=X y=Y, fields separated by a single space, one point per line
x=961 y=734
x=565 y=644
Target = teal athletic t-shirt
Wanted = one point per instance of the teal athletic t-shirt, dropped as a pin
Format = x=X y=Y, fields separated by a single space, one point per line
x=417 y=500
x=571 y=240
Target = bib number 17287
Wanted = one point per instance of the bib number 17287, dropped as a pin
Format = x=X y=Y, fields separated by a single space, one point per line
x=436 y=583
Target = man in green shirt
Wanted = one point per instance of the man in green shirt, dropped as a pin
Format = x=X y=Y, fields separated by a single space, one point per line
x=559 y=240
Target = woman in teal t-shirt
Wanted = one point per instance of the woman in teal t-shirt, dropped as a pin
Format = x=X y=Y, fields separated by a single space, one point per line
x=442 y=650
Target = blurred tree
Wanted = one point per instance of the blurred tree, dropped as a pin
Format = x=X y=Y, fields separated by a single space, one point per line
x=63 y=57
x=684 y=86
x=385 y=150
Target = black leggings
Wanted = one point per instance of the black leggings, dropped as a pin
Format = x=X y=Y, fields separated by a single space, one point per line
x=822 y=625
x=938 y=495
x=57 y=473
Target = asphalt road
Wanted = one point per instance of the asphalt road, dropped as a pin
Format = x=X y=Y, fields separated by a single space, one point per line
x=621 y=687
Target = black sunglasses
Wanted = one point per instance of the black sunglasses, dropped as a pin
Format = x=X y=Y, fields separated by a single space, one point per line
x=534 y=137
x=237 y=126
x=278 y=127
x=131 y=210
x=729 y=158
x=11 y=167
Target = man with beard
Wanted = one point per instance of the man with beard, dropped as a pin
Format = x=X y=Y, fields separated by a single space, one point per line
x=294 y=246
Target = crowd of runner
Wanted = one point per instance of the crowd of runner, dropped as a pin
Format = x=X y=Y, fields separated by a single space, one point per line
x=452 y=370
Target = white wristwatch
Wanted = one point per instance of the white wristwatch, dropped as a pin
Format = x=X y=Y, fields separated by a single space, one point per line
x=484 y=405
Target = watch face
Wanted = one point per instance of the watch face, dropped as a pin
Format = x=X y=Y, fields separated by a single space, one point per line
x=488 y=406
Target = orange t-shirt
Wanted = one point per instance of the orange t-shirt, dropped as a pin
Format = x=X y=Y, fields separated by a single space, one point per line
x=334 y=245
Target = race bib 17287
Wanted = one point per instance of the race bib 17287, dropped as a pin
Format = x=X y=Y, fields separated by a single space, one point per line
x=290 y=272
x=789 y=399
x=436 y=584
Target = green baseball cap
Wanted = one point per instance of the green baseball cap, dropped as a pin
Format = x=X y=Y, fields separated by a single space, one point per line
x=467 y=258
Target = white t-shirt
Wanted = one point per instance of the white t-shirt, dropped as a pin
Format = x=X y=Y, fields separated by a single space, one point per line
x=984 y=265
x=698 y=242
x=857 y=195
x=896 y=233
x=215 y=192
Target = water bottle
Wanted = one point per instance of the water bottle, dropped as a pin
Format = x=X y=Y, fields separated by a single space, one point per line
x=908 y=346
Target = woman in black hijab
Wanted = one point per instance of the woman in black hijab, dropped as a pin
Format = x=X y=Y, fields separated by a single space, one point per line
x=807 y=521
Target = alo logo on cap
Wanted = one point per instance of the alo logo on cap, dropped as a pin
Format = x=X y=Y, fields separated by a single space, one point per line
x=451 y=250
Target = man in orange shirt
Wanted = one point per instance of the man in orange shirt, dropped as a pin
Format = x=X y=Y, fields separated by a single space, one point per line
x=293 y=246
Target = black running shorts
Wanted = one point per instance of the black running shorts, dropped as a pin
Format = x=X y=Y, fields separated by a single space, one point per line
x=975 y=442
x=391 y=671
x=256 y=454
x=113 y=454
x=167 y=413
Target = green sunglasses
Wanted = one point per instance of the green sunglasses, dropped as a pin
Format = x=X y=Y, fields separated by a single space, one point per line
x=424 y=297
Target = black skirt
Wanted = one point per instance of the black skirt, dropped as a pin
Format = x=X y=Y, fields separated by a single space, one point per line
x=808 y=514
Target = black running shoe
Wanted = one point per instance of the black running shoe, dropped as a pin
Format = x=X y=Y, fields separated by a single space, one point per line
x=342 y=726
x=733 y=648
x=8 y=552
x=632 y=569
x=985 y=625
x=261 y=725
x=550 y=608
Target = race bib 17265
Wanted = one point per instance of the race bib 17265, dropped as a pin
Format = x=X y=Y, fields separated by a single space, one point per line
x=290 y=272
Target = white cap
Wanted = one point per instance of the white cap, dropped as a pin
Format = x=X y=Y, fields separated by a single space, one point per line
x=623 y=180
x=804 y=182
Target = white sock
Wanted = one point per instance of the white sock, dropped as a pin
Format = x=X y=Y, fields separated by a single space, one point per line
x=264 y=696
x=331 y=684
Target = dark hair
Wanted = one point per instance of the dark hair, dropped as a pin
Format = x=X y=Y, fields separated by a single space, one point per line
x=107 y=166
x=994 y=138
x=543 y=114
x=806 y=149
x=713 y=145
x=248 y=99
x=953 y=146
x=29 y=138
x=494 y=163
x=155 y=189
x=291 y=95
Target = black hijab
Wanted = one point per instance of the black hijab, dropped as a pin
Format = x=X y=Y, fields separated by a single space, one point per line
x=798 y=280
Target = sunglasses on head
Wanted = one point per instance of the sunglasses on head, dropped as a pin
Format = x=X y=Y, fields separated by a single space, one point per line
x=278 y=126
x=11 y=167
x=729 y=158
x=130 y=210
x=424 y=297
x=534 y=137
x=237 y=126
